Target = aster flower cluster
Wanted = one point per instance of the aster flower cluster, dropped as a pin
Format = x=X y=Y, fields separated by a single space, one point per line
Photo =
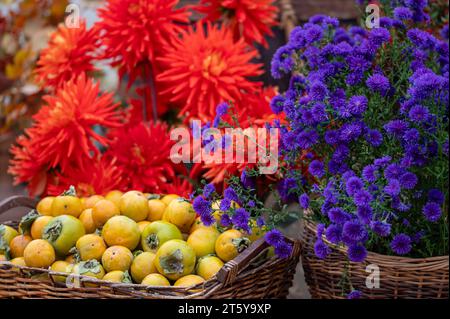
x=367 y=109
x=240 y=208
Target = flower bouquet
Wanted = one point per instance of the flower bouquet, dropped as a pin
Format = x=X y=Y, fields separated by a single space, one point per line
x=370 y=109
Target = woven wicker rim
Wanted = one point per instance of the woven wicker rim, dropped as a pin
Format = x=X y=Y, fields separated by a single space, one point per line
x=429 y=263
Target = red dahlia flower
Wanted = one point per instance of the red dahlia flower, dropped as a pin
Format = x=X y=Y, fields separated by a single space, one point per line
x=206 y=68
x=133 y=30
x=99 y=176
x=251 y=19
x=179 y=186
x=143 y=153
x=63 y=134
x=25 y=166
x=70 y=53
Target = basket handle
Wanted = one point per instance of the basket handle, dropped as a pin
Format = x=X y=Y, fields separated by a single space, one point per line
x=16 y=201
x=228 y=273
x=288 y=19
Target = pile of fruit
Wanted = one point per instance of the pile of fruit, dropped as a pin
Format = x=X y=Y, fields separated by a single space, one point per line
x=129 y=237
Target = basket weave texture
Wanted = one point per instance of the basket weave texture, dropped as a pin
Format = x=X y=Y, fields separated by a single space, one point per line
x=399 y=277
x=250 y=275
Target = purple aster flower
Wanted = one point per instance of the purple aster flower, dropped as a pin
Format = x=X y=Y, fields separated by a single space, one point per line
x=381 y=228
x=382 y=161
x=436 y=196
x=378 y=83
x=282 y=61
x=364 y=214
x=332 y=137
x=338 y=215
x=362 y=198
x=283 y=250
x=207 y=220
x=297 y=38
x=411 y=136
x=332 y=21
x=350 y=132
x=393 y=171
x=202 y=206
x=353 y=185
x=289 y=140
x=370 y=172
x=333 y=234
x=401 y=244
x=403 y=13
x=304 y=201
x=230 y=194
x=432 y=211
x=317 y=18
x=357 y=104
x=354 y=294
x=354 y=78
x=419 y=113
x=208 y=190
x=357 y=253
x=396 y=127
x=374 y=138
x=354 y=231
x=408 y=180
x=274 y=237
x=378 y=36
x=318 y=91
x=277 y=103
x=241 y=218
x=251 y=203
x=225 y=204
x=321 y=249
x=313 y=33
x=316 y=168
x=319 y=112
x=320 y=230
x=225 y=220
x=341 y=152
x=392 y=188
x=306 y=139
x=307 y=117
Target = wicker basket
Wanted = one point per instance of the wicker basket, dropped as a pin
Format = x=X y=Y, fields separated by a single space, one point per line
x=399 y=277
x=249 y=275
